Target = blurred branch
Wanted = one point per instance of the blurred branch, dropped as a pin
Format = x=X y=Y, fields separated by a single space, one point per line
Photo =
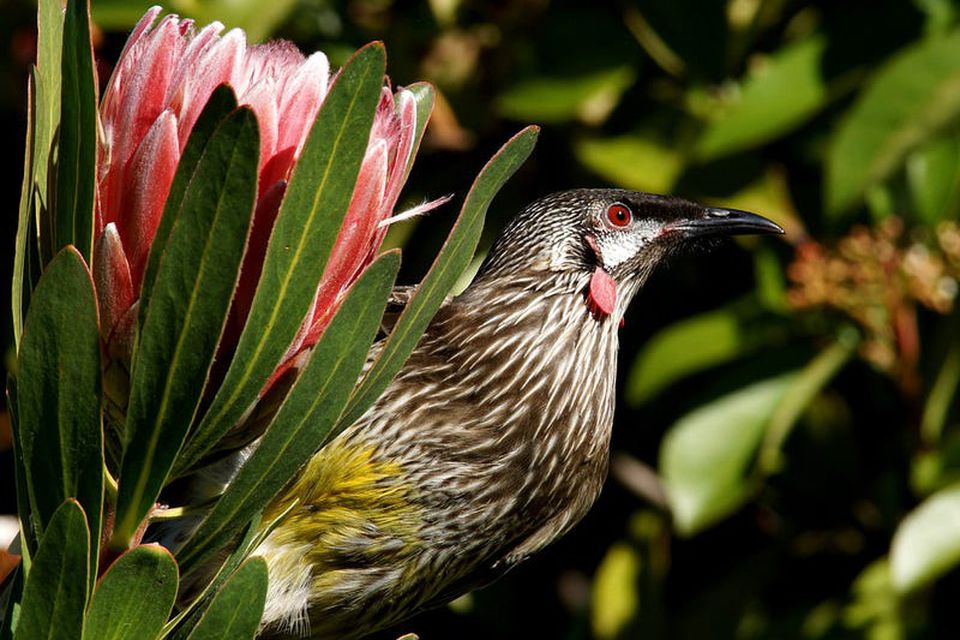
x=639 y=478
x=653 y=44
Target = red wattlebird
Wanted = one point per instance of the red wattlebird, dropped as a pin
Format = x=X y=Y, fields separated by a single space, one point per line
x=494 y=437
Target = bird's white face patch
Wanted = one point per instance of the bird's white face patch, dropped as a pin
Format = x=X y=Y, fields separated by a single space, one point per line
x=616 y=247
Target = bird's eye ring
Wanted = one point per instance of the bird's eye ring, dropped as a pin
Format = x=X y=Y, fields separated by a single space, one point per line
x=619 y=215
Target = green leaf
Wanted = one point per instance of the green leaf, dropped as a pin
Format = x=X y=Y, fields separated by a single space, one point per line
x=633 y=161
x=220 y=104
x=58 y=395
x=307 y=226
x=191 y=296
x=47 y=82
x=926 y=545
x=77 y=136
x=589 y=98
x=307 y=416
x=55 y=593
x=119 y=15
x=933 y=175
x=693 y=345
x=235 y=611
x=10 y=599
x=713 y=458
x=910 y=99
x=134 y=597
x=777 y=95
x=706 y=455
x=25 y=248
x=452 y=260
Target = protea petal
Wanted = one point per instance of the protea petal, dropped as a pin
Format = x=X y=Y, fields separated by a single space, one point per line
x=148 y=179
x=111 y=274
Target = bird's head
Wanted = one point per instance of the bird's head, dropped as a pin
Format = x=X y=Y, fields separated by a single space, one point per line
x=607 y=241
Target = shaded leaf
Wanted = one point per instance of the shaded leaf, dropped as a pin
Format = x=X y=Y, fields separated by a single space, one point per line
x=308 y=414
x=58 y=395
x=926 y=545
x=191 y=296
x=590 y=97
x=306 y=228
x=777 y=95
x=11 y=597
x=134 y=597
x=909 y=100
x=452 y=260
x=633 y=161
x=55 y=593
x=706 y=456
x=77 y=135
x=423 y=95
x=235 y=611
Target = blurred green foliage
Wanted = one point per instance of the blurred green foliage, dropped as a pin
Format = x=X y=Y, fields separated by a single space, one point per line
x=788 y=445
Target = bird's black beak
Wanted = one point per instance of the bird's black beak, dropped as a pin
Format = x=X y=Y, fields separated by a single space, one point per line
x=728 y=222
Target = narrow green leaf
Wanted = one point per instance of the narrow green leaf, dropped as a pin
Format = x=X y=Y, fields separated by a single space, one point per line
x=926 y=545
x=55 y=593
x=28 y=535
x=909 y=100
x=776 y=96
x=11 y=597
x=218 y=107
x=452 y=260
x=307 y=226
x=58 y=395
x=22 y=283
x=47 y=83
x=706 y=455
x=236 y=610
x=77 y=135
x=134 y=597
x=191 y=296
x=307 y=416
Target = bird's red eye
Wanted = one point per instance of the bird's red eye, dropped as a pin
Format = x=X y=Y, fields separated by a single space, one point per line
x=619 y=215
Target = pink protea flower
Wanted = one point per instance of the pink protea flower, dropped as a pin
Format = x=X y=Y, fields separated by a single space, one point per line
x=165 y=75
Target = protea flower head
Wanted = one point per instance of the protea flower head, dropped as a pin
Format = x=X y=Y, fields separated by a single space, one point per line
x=164 y=77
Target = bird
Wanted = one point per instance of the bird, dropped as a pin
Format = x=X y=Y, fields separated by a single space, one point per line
x=493 y=439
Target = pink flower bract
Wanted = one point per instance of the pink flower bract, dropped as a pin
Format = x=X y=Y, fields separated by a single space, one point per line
x=165 y=75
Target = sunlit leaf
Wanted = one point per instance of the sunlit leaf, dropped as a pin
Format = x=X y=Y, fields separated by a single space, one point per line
x=615 y=597
x=308 y=414
x=236 y=609
x=909 y=100
x=452 y=260
x=58 y=395
x=590 y=97
x=47 y=83
x=778 y=94
x=134 y=597
x=25 y=249
x=194 y=285
x=698 y=343
x=305 y=230
x=933 y=175
x=55 y=593
x=706 y=456
x=632 y=161
x=926 y=545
